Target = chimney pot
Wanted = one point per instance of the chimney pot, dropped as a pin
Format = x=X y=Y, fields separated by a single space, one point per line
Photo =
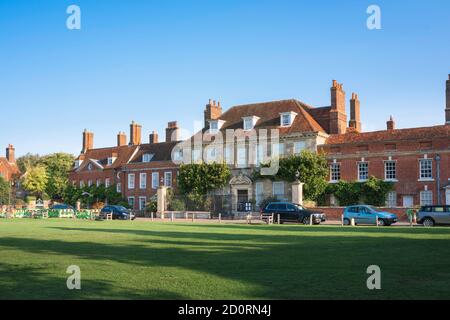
x=10 y=154
x=390 y=124
x=135 y=134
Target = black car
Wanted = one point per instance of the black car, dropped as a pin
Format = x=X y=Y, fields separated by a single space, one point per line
x=62 y=206
x=118 y=213
x=291 y=212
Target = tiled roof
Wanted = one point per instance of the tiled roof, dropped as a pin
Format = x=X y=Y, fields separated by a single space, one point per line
x=160 y=151
x=130 y=155
x=422 y=133
x=269 y=116
x=12 y=167
x=123 y=154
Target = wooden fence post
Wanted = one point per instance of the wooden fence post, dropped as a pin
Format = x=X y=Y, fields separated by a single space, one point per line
x=278 y=218
x=220 y=218
x=151 y=215
x=171 y=217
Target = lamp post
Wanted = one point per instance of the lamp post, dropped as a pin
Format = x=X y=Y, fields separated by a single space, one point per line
x=438 y=178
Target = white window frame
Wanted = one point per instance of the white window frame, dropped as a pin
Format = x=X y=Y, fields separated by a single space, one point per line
x=142 y=180
x=391 y=199
x=131 y=181
x=275 y=185
x=119 y=187
x=388 y=176
x=131 y=202
x=335 y=172
x=142 y=205
x=362 y=178
x=99 y=182
x=299 y=145
x=242 y=159
x=155 y=180
x=259 y=192
x=147 y=157
x=289 y=116
x=90 y=183
x=81 y=184
x=426 y=198
x=426 y=174
x=167 y=181
x=107 y=182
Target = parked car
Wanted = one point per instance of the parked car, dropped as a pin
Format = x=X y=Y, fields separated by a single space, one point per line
x=364 y=214
x=291 y=212
x=429 y=216
x=118 y=213
x=62 y=206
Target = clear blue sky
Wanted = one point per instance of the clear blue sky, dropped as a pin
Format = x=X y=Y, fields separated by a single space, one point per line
x=154 y=61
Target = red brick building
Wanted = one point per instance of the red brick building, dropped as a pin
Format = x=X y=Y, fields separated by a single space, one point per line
x=417 y=160
x=8 y=167
x=136 y=169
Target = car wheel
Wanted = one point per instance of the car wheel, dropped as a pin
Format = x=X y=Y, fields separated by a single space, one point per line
x=381 y=223
x=346 y=222
x=305 y=220
x=428 y=222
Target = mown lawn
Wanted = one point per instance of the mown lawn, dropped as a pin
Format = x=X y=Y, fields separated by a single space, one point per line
x=143 y=260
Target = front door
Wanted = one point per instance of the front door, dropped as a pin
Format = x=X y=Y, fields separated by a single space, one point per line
x=242 y=198
x=408 y=201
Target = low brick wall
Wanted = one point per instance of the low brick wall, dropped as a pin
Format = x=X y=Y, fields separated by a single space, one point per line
x=335 y=213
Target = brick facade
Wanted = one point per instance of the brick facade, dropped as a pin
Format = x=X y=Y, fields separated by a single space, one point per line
x=115 y=166
x=8 y=167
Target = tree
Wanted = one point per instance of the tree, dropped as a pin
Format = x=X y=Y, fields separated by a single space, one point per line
x=57 y=166
x=5 y=191
x=201 y=178
x=28 y=161
x=309 y=168
x=89 y=196
x=35 y=180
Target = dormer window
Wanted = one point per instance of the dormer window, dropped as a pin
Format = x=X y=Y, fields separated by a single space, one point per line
x=90 y=167
x=147 y=157
x=215 y=125
x=78 y=163
x=111 y=160
x=287 y=118
x=250 y=122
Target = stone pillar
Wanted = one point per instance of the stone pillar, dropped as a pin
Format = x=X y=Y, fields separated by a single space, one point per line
x=297 y=192
x=78 y=205
x=161 y=194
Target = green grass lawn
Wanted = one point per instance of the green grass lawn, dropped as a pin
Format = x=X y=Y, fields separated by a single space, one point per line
x=144 y=260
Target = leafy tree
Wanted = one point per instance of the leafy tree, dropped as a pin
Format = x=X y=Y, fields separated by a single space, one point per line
x=57 y=166
x=35 y=181
x=5 y=191
x=372 y=192
x=195 y=181
x=201 y=178
x=88 y=196
x=310 y=168
x=28 y=161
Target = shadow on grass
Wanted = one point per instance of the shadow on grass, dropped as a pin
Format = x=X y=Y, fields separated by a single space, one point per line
x=37 y=283
x=268 y=266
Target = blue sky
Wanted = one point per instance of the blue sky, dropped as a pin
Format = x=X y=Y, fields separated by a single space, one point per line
x=155 y=61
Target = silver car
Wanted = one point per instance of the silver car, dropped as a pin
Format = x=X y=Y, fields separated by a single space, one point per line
x=430 y=216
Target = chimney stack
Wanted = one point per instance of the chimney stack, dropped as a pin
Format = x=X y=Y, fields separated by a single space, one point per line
x=88 y=141
x=121 y=139
x=172 y=132
x=10 y=154
x=390 y=124
x=213 y=111
x=355 y=113
x=135 y=134
x=338 y=116
x=153 y=138
x=447 y=94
